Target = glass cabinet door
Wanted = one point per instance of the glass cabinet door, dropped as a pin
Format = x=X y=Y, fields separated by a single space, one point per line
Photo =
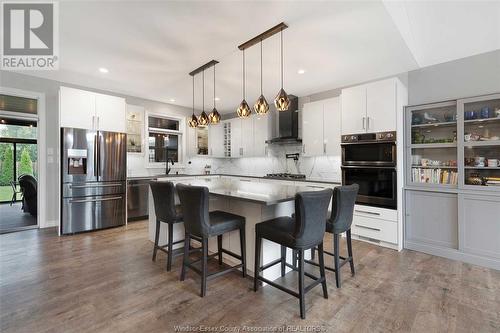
x=432 y=143
x=481 y=141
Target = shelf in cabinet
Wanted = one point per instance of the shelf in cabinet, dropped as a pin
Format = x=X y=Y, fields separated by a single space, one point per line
x=482 y=143
x=480 y=121
x=481 y=168
x=434 y=167
x=443 y=124
x=434 y=145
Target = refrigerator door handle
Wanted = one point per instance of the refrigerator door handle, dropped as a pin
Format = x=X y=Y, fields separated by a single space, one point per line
x=95 y=155
x=95 y=200
x=95 y=185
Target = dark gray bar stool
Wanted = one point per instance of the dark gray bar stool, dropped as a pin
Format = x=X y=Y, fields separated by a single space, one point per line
x=200 y=223
x=167 y=212
x=301 y=233
x=344 y=199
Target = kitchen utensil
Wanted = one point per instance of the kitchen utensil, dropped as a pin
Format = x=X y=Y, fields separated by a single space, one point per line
x=492 y=162
x=485 y=112
x=480 y=161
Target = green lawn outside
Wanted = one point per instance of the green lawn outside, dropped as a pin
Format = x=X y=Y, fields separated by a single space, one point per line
x=5 y=193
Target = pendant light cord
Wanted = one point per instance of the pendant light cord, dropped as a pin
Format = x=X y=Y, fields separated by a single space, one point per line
x=261 y=66
x=203 y=98
x=193 y=95
x=214 y=86
x=243 y=74
x=281 y=38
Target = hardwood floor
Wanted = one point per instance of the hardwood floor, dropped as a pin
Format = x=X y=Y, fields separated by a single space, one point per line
x=106 y=282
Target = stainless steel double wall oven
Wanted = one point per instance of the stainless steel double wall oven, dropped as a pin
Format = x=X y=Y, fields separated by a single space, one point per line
x=369 y=160
x=93 y=180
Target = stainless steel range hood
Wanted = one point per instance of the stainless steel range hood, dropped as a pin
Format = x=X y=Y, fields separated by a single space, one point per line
x=288 y=125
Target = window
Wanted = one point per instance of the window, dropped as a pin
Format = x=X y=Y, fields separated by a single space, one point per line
x=164 y=139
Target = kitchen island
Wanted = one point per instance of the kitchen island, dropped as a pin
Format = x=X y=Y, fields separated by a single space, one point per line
x=257 y=199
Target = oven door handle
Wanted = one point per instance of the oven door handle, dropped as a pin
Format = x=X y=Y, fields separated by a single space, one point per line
x=367 y=167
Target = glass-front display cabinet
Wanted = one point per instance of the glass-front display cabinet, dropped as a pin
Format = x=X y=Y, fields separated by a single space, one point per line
x=202 y=140
x=480 y=136
x=432 y=145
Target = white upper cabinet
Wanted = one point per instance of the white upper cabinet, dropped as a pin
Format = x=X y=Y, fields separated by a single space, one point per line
x=332 y=122
x=261 y=133
x=110 y=113
x=354 y=110
x=216 y=140
x=76 y=108
x=88 y=110
x=247 y=137
x=381 y=106
x=312 y=129
x=321 y=127
x=236 y=149
x=371 y=107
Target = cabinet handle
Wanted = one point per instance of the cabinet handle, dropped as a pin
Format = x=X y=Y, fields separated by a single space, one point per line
x=364 y=122
x=369 y=228
x=304 y=148
x=97 y=123
x=324 y=148
x=367 y=123
x=366 y=212
x=93 y=122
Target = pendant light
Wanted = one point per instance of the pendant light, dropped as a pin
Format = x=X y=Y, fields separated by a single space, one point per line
x=193 y=120
x=261 y=106
x=214 y=116
x=243 y=110
x=203 y=118
x=282 y=102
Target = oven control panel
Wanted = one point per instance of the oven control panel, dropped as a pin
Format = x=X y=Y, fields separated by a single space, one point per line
x=369 y=137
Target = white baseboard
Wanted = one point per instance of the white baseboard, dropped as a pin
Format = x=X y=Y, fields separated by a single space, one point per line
x=49 y=224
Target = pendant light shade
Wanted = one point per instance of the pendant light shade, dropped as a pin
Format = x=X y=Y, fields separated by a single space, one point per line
x=243 y=109
x=203 y=118
x=282 y=102
x=193 y=120
x=214 y=116
x=261 y=106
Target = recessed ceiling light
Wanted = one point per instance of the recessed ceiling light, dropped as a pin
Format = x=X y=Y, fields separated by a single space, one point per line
x=172 y=100
x=301 y=71
x=217 y=99
x=103 y=70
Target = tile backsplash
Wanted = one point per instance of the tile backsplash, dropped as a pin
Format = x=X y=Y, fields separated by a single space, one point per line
x=321 y=167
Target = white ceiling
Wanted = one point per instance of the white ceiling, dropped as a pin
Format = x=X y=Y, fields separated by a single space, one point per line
x=149 y=47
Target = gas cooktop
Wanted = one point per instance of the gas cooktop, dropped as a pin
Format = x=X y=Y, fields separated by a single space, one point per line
x=285 y=176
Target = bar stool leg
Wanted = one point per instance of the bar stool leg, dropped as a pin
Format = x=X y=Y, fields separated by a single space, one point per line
x=157 y=237
x=219 y=248
x=204 y=267
x=321 y=258
x=243 y=251
x=258 y=243
x=313 y=253
x=336 y=258
x=170 y=246
x=301 y=285
x=185 y=258
x=283 y=260
x=349 y=251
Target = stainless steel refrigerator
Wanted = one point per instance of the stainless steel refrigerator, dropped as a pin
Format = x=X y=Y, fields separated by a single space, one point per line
x=93 y=180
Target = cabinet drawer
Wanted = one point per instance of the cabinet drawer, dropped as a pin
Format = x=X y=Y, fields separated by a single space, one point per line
x=386 y=231
x=375 y=212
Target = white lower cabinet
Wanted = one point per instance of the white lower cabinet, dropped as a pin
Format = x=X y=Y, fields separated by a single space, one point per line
x=376 y=224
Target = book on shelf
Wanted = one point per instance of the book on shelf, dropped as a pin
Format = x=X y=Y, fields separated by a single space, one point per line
x=434 y=176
